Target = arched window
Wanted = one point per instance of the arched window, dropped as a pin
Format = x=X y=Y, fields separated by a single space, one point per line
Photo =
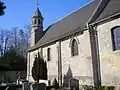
x=115 y=32
x=48 y=54
x=35 y=21
x=38 y=21
x=74 y=48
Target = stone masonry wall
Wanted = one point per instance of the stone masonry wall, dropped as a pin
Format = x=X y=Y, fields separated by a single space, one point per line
x=80 y=65
x=109 y=59
x=52 y=65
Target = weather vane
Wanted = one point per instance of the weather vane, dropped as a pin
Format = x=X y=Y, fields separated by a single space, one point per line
x=37 y=3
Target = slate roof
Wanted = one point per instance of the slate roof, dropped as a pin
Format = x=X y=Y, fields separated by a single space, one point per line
x=112 y=8
x=76 y=21
x=72 y=23
x=37 y=13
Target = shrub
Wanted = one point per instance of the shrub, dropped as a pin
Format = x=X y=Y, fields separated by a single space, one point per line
x=55 y=84
x=107 y=88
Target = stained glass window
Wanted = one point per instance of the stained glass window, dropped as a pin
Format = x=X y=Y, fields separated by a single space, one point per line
x=116 y=38
x=48 y=54
x=74 y=48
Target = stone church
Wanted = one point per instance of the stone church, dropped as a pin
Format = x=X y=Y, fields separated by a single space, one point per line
x=84 y=45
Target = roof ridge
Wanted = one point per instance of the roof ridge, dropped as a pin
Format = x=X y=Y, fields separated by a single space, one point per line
x=100 y=8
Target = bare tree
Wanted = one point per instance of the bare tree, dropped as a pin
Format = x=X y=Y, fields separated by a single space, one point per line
x=15 y=38
x=4 y=35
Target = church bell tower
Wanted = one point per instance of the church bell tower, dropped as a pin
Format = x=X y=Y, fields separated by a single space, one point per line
x=37 y=27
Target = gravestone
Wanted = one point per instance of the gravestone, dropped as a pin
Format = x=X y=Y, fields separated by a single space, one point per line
x=38 y=86
x=73 y=84
x=25 y=86
x=44 y=81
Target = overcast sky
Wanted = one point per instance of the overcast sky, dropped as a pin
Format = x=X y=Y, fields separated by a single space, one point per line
x=19 y=12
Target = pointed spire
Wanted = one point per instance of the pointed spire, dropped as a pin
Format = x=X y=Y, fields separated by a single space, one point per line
x=37 y=13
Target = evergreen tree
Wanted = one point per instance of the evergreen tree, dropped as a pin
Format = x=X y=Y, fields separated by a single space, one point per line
x=39 y=69
x=35 y=69
x=2 y=7
x=45 y=70
x=13 y=60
